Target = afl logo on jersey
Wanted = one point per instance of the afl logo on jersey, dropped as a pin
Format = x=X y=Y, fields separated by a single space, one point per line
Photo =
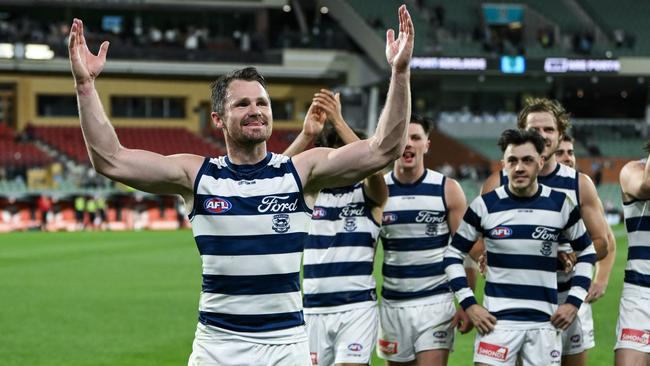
x=318 y=213
x=217 y=205
x=501 y=232
x=389 y=218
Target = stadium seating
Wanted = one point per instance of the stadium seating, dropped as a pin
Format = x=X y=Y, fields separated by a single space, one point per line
x=166 y=141
x=19 y=154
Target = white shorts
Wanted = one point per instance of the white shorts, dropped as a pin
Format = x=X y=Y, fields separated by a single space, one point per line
x=405 y=331
x=210 y=349
x=579 y=337
x=633 y=326
x=344 y=337
x=537 y=344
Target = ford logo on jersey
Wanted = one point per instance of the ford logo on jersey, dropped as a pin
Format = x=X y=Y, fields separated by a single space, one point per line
x=217 y=205
x=501 y=232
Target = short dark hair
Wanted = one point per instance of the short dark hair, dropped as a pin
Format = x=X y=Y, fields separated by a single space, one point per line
x=330 y=138
x=220 y=87
x=425 y=122
x=520 y=137
x=532 y=105
x=567 y=138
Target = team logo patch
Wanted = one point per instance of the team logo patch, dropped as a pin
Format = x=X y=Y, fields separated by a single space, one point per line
x=547 y=248
x=318 y=213
x=314 y=358
x=217 y=205
x=388 y=218
x=386 y=347
x=440 y=334
x=350 y=224
x=355 y=347
x=501 y=232
x=575 y=338
x=281 y=223
x=493 y=351
x=636 y=336
x=555 y=353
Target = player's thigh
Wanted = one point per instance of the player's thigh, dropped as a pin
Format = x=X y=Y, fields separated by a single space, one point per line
x=321 y=343
x=395 y=343
x=356 y=336
x=577 y=359
x=434 y=328
x=499 y=347
x=633 y=324
x=542 y=347
x=437 y=357
x=631 y=357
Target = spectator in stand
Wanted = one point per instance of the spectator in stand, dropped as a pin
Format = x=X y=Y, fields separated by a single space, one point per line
x=44 y=205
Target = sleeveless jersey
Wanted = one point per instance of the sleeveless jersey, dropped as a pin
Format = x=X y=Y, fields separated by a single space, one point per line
x=250 y=223
x=414 y=235
x=521 y=236
x=339 y=252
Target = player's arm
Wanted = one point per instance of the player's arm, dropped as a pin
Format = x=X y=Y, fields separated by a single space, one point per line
x=311 y=128
x=581 y=243
x=457 y=250
x=140 y=169
x=603 y=269
x=351 y=163
x=635 y=180
x=593 y=215
x=478 y=251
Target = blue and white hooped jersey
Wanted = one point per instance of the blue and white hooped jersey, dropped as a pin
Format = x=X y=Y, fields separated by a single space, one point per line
x=339 y=252
x=521 y=237
x=414 y=235
x=637 y=224
x=564 y=179
x=250 y=224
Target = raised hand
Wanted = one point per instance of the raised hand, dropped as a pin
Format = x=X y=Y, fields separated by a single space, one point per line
x=314 y=121
x=400 y=50
x=84 y=64
x=330 y=103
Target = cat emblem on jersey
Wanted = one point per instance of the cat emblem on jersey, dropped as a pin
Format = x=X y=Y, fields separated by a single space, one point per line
x=546 y=248
x=281 y=223
x=350 y=224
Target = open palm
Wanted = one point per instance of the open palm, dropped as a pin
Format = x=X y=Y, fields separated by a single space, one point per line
x=85 y=65
x=400 y=50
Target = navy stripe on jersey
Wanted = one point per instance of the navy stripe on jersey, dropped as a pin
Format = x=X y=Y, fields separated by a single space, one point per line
x=472 y=218
x=637 y=278
x=400 y=295
x=640 y=223
x=337 y=213
x=339 y=298
x=410 y=244
x=337 y=269
x=359 y=239
x=341 y=190
x=244 y=172
x=251 y=285
x=574 y=217
x=525 y=292
x=581 y=243
x=421 y=189
x=519 y=232
x=519 y=261
x=252 y=323
x=249 y=245
x=235 y=206
x=528 y=315
x=638 y=253
x=413 y=271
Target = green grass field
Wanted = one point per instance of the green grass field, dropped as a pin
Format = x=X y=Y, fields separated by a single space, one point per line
x=131 y=299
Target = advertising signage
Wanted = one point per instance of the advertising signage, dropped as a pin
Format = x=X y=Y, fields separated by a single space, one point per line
x=516 y=65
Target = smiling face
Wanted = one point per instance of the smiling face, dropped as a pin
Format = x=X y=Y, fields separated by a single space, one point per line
x=416 y=147
x=523 y=164
x=544 y=124
x=564 y=154
x=247 y=117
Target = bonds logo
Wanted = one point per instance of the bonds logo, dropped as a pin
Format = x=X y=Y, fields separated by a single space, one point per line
x=281 y=223
x=555 y=353
x=387 y=347
x=355 y=347
x=635 y=335
x=492 y=351
x=388 y=218
x=501 y=232
x=318 y=213
x=217 y=205
x=547 y=248
x=350 y=224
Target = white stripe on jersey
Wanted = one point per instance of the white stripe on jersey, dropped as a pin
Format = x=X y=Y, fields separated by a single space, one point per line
x=414 y=257
x=251 y=265
x=339 y=254
x=262 y=187
x=250 y=304
x=337 y=284
x=238 y=225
